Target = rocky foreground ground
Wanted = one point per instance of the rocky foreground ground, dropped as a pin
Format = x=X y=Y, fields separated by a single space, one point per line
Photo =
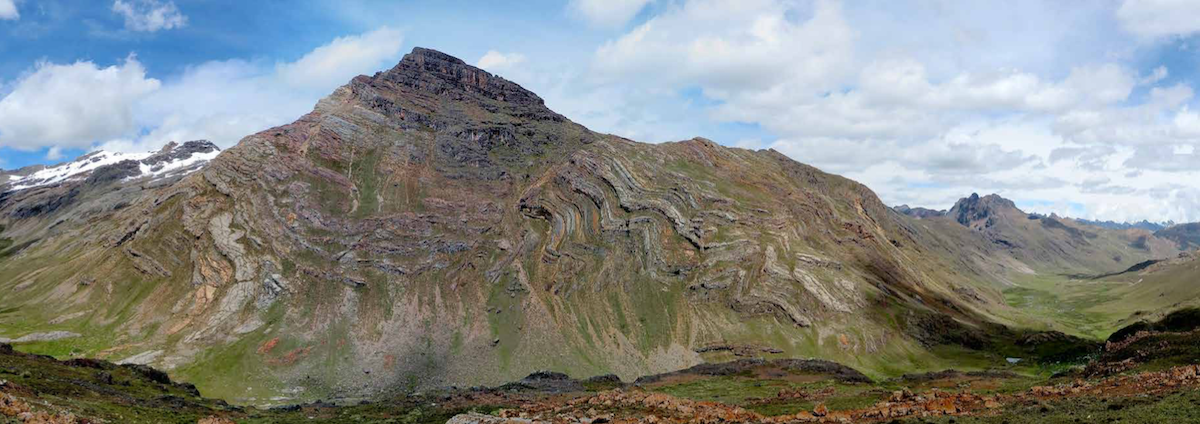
x=641 y=406
x=1149 y=375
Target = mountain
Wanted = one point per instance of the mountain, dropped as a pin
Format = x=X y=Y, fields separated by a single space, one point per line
x=1050 y=244
x=435 y=224
x=1153 y=288
x=1187 y=236
x=1051 y=271
x=101 y=166
x=982 y=213
x=974 y=200
x=918 y=212
x=1141 y=225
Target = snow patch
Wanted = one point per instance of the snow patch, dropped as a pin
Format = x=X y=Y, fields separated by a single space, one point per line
x=73 y=170
x=194 y=159
x=83 y=167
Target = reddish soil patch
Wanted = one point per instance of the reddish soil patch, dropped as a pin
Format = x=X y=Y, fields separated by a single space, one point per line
x=636 y=405
x=291 y=357
x=268 y=346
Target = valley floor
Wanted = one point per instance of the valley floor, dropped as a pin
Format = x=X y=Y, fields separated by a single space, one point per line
x=1094 y=306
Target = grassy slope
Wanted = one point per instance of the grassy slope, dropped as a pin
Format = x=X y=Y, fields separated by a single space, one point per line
x=1180 y=407
x=1047 y=283
x=129 y=395
x=95 y=389
x=1095 y=307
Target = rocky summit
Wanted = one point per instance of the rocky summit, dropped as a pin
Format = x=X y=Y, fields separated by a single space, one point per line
x=436 y=225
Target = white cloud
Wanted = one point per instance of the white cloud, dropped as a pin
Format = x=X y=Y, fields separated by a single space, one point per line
x=920 y=119
x=335 y=63
x=8 y=10
x=1155 y=76
x=494 y=60
x=73 y=105
x=606 y=13
x=1159 y=18
x=223 y=101
x=118 y=108
x=1163 y=118
x=759 y=50
x=149 y=15
x=727 y=46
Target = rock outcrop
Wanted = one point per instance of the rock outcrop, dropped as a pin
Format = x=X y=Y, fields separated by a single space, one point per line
x=919 y=212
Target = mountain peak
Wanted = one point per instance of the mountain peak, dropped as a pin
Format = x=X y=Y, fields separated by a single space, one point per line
x=976 y=211
x=919 y=212
x=421 y=54
x=443 y=74
x=989 y=201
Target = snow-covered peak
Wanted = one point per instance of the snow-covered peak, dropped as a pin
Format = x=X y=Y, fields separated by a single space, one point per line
x=172 y=159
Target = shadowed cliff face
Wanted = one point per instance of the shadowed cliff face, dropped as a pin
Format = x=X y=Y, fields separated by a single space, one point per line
x=1186 y=236
x=982 y=212
x=435 y=224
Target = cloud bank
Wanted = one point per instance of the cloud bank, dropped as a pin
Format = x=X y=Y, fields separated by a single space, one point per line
x=83 y=105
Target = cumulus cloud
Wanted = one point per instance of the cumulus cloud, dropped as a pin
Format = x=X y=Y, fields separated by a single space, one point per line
x=925 y=125
x=964 y=158
x=1159 y=18
x=907 y=82
x=606 y=13
x=788 y=67
x=494 y=60
x=1164 y=158
x=335 y=63
x=119 y=108
x=223 y=101
x=149 y=15
x=729 y=46
x=54 y=153
x=73 y=105
x=1164 y=118
x=8 y=10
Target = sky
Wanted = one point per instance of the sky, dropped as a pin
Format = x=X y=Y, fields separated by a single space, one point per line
x=1085 y=109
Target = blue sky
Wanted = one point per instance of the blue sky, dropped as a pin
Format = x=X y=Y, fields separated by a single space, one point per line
x=1081 y=108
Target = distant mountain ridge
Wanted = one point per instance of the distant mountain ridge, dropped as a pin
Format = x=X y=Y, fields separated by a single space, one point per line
x=1186 y=235
x=1034 y=242
x=171 y=159
x=981 y=212
x=1142 y=225
x=921 y=212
